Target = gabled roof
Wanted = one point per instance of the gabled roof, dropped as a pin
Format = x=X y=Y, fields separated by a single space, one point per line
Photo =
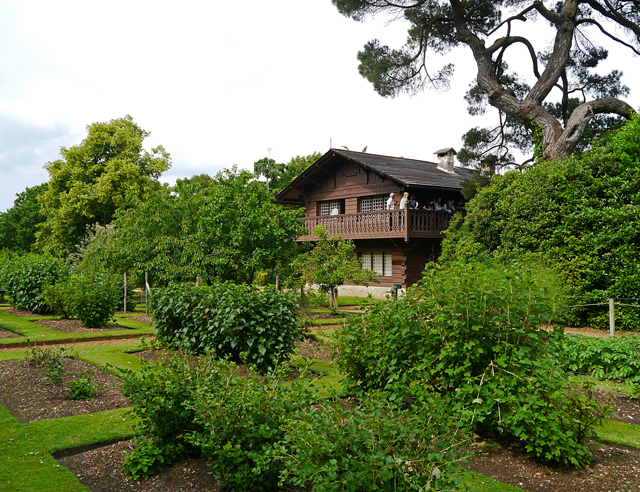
x=406 y=172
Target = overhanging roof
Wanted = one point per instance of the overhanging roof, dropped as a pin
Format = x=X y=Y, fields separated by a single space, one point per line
x=406 y=172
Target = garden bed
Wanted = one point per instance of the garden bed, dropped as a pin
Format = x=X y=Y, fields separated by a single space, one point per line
x=8 y=334
x=75 y=326
x=26 y=393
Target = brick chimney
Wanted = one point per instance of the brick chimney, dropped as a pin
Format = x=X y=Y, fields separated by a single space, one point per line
x=445 y=159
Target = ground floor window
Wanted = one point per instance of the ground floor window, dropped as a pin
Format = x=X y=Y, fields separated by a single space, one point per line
x=378 y=261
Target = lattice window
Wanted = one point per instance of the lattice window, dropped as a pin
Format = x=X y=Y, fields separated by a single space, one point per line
x=379 y=262
x=379 y=203
x=329 y=208
x=373 y=204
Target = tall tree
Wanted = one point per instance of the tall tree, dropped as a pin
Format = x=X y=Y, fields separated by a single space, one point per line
x=565 y=67
x=280 y=175
x=18 y=225
x=88 y=184
x=229 y=230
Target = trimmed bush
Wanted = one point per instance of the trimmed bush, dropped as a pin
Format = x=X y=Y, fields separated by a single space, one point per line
x=25 y=278
x=248 y=325
x=91 y=296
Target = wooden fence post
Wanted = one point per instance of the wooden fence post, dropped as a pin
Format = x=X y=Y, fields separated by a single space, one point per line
x=125 y=292
x=612 y=319
x=147 y=292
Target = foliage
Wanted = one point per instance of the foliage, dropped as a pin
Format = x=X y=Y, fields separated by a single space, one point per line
x=375 y=446
x=91 y=296
x=55 y=372
x=580 y=215
x=40 y=357
x=204 y=406
x=258 y=432
x=84 y=387
x=237 y=321
x=87 y=185
x=280 y=175
x=25 y=278
x=566 y=71
x=230 y=231
x=331 y=263
x=242 y=418
x=602 y=358
x=145 y=460
x=18 y=225
x=472 y=333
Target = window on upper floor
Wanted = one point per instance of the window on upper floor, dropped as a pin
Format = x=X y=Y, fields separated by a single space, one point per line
x=332 y=207
x=373 y=203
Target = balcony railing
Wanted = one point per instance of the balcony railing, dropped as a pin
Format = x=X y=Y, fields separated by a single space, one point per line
x=384 y=224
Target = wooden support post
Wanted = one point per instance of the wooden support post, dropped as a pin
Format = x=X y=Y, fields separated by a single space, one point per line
x=277 y=282
x=198 y=280
x=612 y=320
x=147 y=291
x=125 y=292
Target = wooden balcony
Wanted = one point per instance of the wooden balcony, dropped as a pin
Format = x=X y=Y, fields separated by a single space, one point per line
x=403 y=224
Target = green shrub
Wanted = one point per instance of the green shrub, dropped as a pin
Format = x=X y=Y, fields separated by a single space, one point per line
x=602 y=358
x=333 y=447
x=25 y=278
x=90 y=296
x=55 y=372
x=145 y=460
x=83 y=388
x=580 y=214
x=94 y=298
x=205 y=406
x=256 y=327
x=241 y=419
x=472 y=334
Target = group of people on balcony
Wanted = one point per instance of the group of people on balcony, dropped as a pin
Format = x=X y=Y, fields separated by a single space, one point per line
x=411 y=203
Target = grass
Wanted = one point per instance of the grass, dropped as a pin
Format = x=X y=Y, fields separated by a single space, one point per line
x=26 y=463
x=35 y=333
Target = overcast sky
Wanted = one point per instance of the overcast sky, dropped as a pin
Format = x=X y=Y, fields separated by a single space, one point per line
x=216 y=83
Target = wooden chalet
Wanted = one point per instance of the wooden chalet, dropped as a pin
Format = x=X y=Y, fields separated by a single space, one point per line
x=347 y=192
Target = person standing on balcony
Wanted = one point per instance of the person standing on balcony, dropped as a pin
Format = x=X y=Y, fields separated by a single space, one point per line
x=404 y=202
x=413 y=204
x=391 y=204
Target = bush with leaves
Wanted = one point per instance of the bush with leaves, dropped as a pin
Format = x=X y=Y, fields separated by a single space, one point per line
x=259 y=432
x=25 y=278
x=473 y=334
x=602 y=358
x=580 y=214
x=192 y=406
x=90 y=296
x=246 y=324
x=335 y=447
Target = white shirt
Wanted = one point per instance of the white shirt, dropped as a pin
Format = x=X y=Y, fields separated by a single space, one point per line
x=391 y=204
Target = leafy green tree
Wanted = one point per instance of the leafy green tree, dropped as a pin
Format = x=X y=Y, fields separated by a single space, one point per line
x=230 y=230
x=493 y=36
x=280 y=175
x=18 y=225
x=89 y=183
x=581 y=215
x=331 y=263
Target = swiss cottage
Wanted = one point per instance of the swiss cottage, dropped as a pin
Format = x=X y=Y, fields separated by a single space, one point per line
x=347 y=193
